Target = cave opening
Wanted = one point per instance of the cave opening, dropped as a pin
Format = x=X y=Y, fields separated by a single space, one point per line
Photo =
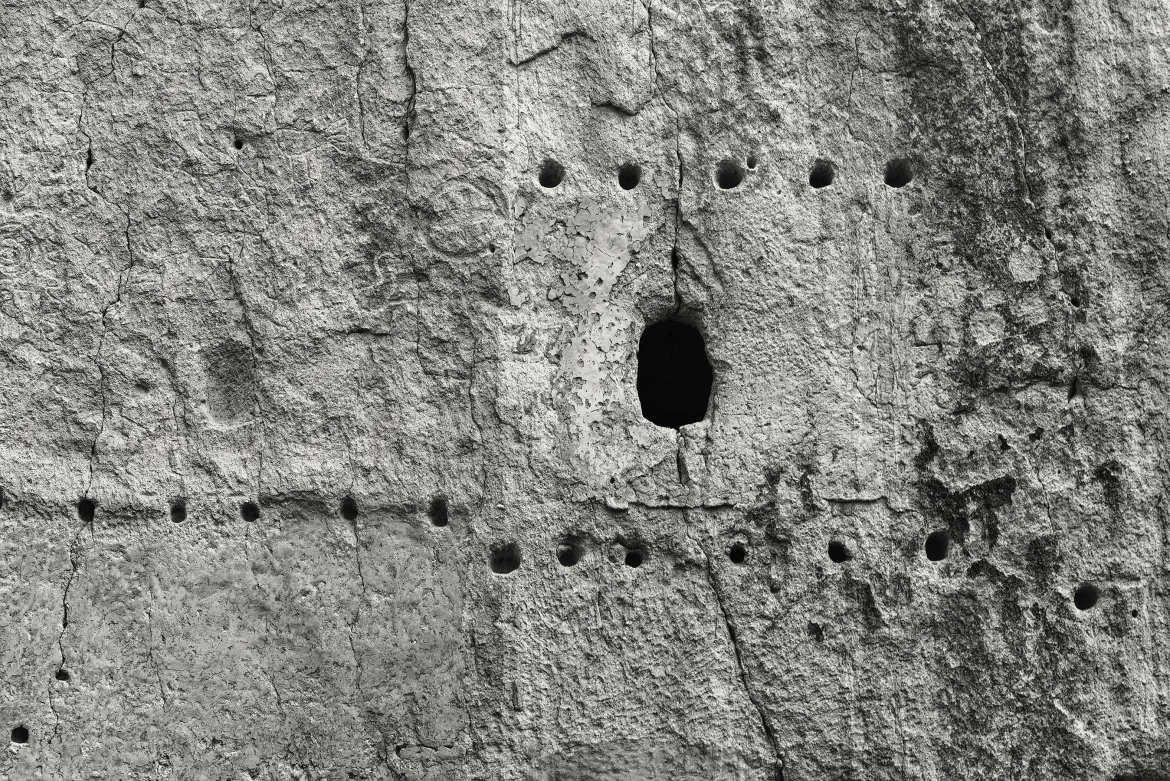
x=674 y=374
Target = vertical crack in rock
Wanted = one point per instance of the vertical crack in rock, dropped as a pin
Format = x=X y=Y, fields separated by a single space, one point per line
x=99 y=360
x=361 y=66
x=733 y=636
x=852 y=78
x=408 y=127
x=678 y=155
x=74 y=564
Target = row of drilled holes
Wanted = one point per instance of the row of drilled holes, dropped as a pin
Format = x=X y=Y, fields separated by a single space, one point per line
x=937 y=546
x=250 y=511
x=729 y=174
x=505 y=558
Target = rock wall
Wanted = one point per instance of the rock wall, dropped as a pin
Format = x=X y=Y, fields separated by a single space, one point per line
x=322 y=449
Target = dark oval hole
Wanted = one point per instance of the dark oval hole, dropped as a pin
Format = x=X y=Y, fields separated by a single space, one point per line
x=570 y=551
x=85 y=509
x=238 y=142
x=674 y=375
x=349 y=508
x=822 y=174
x=250 y=511
x=737 y=553
x=752 y=162
x=838 y=552
x=899 y=172
x=505 y=558
x=62 y=674
x=178 y=511
x=634 y=557
x=938 y=544
x=438 y=511
x=629 y=175
x=551 y=173
x=1086 y=596
x=20 y=734
x=728 y=175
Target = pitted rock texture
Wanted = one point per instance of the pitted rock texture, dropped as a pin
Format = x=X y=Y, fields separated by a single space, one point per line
x=322 y=451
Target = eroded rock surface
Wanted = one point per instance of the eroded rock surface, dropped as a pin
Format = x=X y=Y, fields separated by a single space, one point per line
x=322 y=451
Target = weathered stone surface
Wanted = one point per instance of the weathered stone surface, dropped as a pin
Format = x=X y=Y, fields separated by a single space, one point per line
x=258 y=258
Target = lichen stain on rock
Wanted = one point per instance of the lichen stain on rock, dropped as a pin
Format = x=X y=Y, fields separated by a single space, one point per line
x=594 y=380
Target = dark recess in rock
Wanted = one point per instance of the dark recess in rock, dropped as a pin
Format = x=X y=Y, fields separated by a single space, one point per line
x=629 y=175
x=838 y=552
x=674 y=374
x=570 y=550
x=438 y=511
x=1086 y=596
x=937 y=545
x=822 y=174
x=899 y=172
x=551 y=174
x=505 y=558
x=729 y=175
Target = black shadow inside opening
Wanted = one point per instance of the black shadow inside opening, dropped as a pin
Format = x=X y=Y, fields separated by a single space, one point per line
x=674 y=375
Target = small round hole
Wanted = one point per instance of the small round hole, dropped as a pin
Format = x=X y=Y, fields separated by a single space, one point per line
x=505 y=558
x=238 y=142
x=62 y=674
x=821 y=174
x=1085 y=596
x=634 y=557
x=438 y=511
x=349 y=508
x=737 y=553
x=752 y=162
x=629 y=175
x=20 y=734
x=899 y=172
x=938 y=544
x=570 y=551
x=838 y=552
x=1133 y=613
x=728 y=175
x=551 y=173
x=250 y=511
x=85 y=509
x=178 y=511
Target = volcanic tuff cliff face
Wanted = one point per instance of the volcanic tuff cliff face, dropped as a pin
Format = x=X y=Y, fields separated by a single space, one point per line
x=322 y=442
